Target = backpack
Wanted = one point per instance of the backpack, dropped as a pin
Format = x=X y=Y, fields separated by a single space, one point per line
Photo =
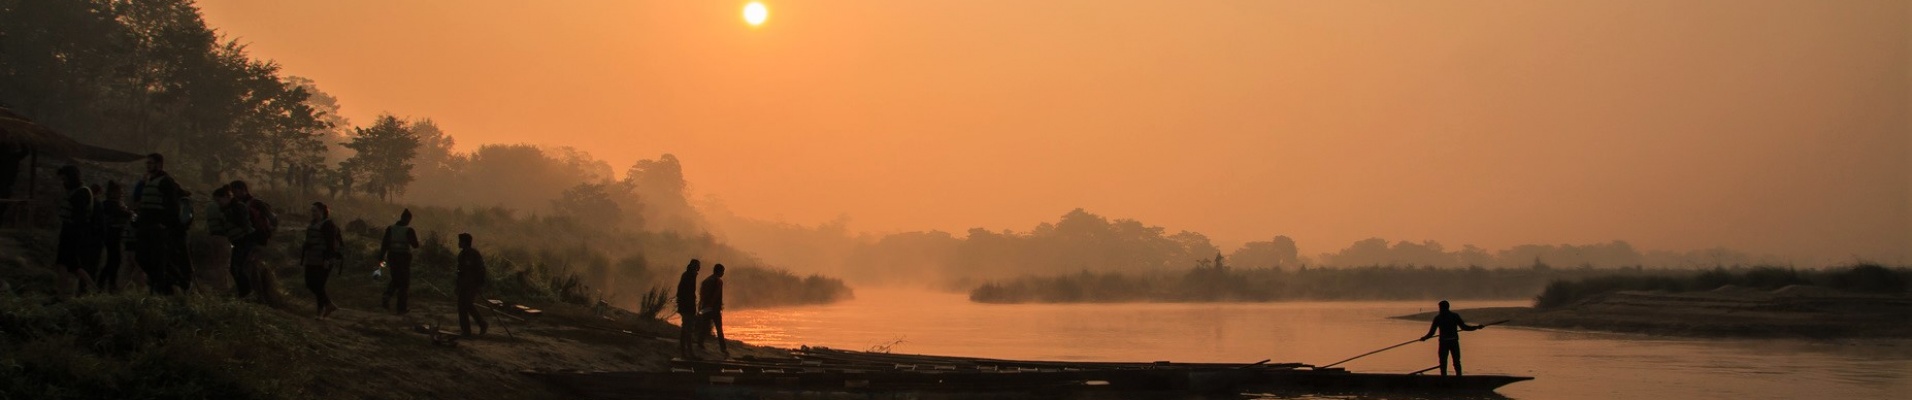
x=263 y=226
x=185 y=209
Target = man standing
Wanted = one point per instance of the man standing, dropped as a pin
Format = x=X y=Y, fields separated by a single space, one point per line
x=76 y=251
x=687 y=310
x=396 y=250
x=227 y=218
x=1449 y=325
x=471 y=279
x=158 y=229
x=711 y=300
x=245 y=249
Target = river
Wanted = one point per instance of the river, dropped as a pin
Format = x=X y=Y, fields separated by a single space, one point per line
x=1568 y=365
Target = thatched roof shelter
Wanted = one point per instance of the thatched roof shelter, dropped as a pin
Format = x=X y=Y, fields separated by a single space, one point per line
x=17 y=130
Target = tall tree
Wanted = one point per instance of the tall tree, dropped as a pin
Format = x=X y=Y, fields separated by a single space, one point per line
x=383 y=165
x=590 y=204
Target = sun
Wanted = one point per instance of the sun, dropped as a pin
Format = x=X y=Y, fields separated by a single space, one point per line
x=755 y=13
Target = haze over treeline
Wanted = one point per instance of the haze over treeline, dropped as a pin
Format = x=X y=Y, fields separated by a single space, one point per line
x=1772 y=126
x=1081 y=241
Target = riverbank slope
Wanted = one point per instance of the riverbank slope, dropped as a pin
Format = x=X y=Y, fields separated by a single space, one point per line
x=207 y=344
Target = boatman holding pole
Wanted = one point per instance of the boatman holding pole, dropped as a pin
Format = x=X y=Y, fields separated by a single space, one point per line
x=1449 y=325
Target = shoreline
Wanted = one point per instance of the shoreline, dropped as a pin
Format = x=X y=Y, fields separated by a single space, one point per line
x=1745 y=314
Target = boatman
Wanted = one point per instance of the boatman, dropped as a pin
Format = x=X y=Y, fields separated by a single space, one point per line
x=1449 y=325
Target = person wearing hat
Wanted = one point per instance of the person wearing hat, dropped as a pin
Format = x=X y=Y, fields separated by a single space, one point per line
x=1449 y=325
x=77 y=231
x=322 y=249
x=396 y=250
x=471 y=280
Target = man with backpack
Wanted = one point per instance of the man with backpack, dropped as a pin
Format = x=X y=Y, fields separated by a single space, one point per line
x=159 y=228
x=229 y=219
x=396 y=250
x=245 y=249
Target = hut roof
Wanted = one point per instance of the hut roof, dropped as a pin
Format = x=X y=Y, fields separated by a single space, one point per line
x=17 y=130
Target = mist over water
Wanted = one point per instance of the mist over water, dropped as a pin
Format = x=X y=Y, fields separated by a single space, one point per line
x=1568 y=365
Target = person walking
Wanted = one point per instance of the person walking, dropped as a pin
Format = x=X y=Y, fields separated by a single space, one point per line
x=320 y=254
x=711 y=313
x=1449 y=325
x=396 y=250
x=687 y=310
x=77 y=231
x=114 y=219
x=471 y=282
x=246 y=253
x=159 y=229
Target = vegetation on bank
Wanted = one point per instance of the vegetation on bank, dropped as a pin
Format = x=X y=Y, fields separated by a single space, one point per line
x=1215 y=281
x=101 y=347
x=1861 y=278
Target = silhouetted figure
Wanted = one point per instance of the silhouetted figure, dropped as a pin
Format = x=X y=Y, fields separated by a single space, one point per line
x=320 y=255
x=1449 y=325
x=687 y=310
x=711 y=300
x=471 y=282
x=396 y=250
x=227 y=219
x=159 y=229
x=114 y=218
x=240 y=210
x=77 y=251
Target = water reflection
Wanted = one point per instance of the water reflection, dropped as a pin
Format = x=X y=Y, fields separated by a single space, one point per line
x=1569 y=365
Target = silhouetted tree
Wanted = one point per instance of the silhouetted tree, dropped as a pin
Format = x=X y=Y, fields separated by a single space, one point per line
x=385 y=151
x=590 y=204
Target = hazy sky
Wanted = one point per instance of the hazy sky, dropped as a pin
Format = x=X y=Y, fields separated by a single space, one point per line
x=1774 y=127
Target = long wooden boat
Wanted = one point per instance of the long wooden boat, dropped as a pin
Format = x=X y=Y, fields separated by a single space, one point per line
x=816 y=373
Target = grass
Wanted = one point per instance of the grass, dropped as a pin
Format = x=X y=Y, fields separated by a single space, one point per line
x=140 y=346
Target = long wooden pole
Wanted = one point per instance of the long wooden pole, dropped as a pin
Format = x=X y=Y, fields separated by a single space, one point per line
x=1371 y=353
x=1399 y=345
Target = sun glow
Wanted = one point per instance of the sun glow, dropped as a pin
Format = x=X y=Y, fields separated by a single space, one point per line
x=755 y=13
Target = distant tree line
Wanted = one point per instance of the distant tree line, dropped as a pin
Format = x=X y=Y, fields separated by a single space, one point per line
x=1216 y=281
x=1080 y=241
x=1861 y=278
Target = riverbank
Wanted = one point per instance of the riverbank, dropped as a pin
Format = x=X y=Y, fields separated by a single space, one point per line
x=1797 y=311
x=206 y=344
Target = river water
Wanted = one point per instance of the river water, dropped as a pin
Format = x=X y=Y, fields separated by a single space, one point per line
x=1568 y=365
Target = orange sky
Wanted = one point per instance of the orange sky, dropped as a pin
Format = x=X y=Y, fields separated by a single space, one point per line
x=1774 y=127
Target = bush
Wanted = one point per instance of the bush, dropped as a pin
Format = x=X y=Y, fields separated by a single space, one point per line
x=1868 y=278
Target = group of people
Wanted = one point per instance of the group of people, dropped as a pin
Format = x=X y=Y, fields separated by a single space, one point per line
x=96 y=222
x=155 y=228
x=701 y=310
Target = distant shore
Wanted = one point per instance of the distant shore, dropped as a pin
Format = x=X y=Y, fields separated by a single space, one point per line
x=1803 y=312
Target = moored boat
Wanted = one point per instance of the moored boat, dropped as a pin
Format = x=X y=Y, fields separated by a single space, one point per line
x=827 y=373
